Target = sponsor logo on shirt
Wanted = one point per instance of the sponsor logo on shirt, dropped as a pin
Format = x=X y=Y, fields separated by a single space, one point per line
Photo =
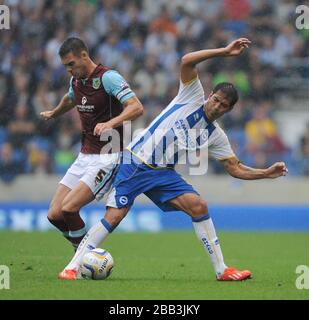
x=83 y=107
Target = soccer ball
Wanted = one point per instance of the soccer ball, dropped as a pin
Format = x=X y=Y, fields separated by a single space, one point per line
x=97 y=264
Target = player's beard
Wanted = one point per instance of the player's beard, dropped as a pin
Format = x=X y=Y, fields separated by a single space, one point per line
x=80 y=74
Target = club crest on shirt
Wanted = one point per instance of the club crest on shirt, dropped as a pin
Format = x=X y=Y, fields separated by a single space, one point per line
x=96 y=82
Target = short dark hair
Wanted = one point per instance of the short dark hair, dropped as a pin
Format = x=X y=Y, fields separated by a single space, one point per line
x=229 y=90
x=74 y=45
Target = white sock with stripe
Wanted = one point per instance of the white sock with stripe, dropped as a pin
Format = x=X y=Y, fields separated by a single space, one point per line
x=206 y=233
x=91 y=240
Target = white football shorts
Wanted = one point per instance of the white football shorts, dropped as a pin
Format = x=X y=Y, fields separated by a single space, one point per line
x=95 y=170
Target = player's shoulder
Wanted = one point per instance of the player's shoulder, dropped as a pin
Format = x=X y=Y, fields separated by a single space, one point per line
x=192 y=87
x=111 y=74
x=195 y=82
x=191 y=91
x=218 y=132
x=112 y=78
x=218 y=127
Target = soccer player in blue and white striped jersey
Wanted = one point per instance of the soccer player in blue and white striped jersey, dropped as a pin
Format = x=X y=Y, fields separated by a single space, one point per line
x=187 y=124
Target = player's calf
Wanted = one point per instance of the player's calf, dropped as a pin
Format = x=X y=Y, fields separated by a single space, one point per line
x=56 y=219
x=115 y=215
x=76 y=225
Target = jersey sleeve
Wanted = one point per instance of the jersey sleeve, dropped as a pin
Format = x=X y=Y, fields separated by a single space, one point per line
x=191 y=91
x=71 y=92
x=220 y=148
x=190 y=84
x=115 y=85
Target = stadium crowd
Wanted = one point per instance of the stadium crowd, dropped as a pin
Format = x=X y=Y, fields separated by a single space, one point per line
x=144 y=41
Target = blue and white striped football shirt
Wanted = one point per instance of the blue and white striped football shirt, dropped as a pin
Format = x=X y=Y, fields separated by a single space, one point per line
x=180 y=128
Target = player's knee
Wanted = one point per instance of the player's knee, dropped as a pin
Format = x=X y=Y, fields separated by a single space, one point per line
x=199 y=208
x=69 y=206
x=54 y=213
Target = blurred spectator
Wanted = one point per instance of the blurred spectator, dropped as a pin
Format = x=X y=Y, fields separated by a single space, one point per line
x=133 y=22
x=21 y=128
x=151 y=80
x=238 y=77
x=145 y=40
x=261 y=19
x=64 y=155
x=304 y=152
x=109 y=52
x=52 y=48
x=157 y=39
x=268 y=54
x=236 y=14
x=38 y=159
x=163 y=22
x=261 y=86
x=10 y=166
x=262 y=136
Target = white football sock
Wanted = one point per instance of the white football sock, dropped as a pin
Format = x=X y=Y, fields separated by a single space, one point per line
x=206 y=233
x=91 y=240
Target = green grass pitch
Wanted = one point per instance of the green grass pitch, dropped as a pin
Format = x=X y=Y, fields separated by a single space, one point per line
x=168 y=265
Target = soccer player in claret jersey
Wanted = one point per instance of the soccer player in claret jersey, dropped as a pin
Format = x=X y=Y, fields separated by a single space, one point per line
x=104 y=101
x=142 y=170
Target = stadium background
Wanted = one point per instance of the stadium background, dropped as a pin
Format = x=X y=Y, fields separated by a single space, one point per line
x=144 y=41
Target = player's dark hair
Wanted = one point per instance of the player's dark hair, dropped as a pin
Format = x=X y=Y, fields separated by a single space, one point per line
x=74 y=45
x=229 y=90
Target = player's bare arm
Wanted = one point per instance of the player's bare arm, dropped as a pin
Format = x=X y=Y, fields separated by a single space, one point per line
x=189 y=61
x=133 y=108
x=237 y=170
x=64 y=106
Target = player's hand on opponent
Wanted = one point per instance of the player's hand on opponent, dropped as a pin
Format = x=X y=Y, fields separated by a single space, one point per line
x=102 y=127
x=237 y=46
x=47 y=115
x=278 y=169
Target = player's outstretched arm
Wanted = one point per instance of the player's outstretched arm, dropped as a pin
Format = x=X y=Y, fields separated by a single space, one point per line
x=237 y=170
x=189 y=61
x=64 y=106
x=133 y=108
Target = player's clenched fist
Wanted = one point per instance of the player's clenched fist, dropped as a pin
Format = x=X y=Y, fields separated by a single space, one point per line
x=101 y=127
x=47 y=115
x=278 y=169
